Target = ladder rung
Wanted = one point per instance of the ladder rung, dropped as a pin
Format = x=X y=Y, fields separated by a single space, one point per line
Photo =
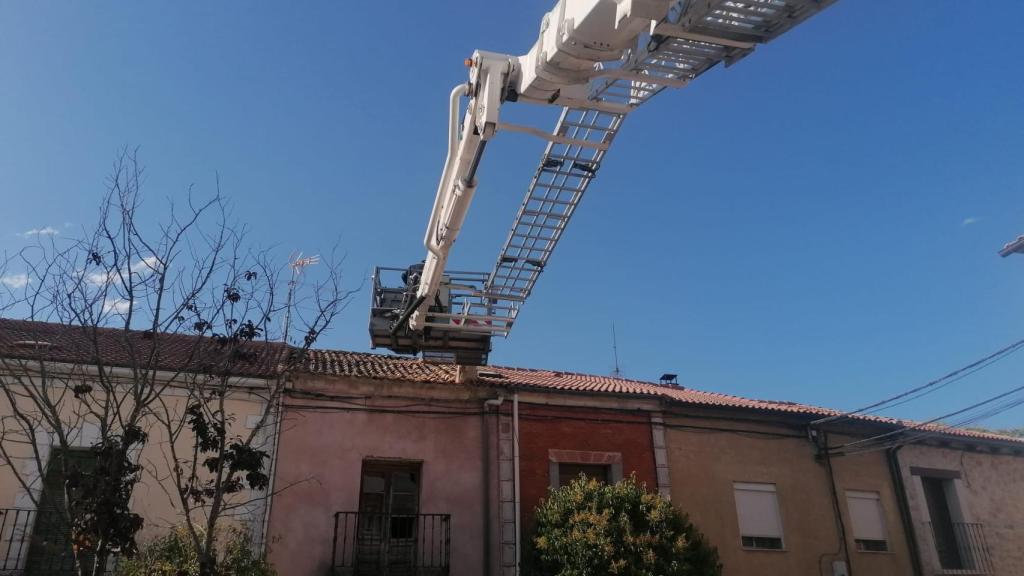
x=527 y=248
x=542 y=213
x=545 y=226
x=551 y=200
x=582 y=175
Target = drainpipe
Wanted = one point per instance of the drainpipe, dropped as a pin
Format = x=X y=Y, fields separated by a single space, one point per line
x=839 y=512
x=515 y=473
x=269 y=502
x=486 y=441
x=904 y=506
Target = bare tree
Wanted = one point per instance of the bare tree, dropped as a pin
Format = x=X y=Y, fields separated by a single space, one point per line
x=220 y=465
x=143 y=330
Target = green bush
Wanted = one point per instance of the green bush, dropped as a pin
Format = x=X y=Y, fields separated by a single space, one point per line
x=174 y=555
x=589 y=528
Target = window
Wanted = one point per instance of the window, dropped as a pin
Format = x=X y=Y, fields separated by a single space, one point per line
x=868 y=521
x=940 y=497
x=567 y=472
x=757 y=506
x=388 y=503
x=566 y=465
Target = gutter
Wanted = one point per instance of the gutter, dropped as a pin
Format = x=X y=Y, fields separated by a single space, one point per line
x=903 y=504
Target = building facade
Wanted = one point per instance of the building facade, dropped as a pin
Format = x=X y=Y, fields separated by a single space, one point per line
x=966 y=503
x=380 y=476
x=388 y=465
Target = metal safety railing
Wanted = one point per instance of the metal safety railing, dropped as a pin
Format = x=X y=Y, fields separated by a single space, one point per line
x=961 y=548
x=377 y=544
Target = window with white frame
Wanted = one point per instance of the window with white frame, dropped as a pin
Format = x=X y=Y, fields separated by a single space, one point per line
x=868 y=521
x=757 y=506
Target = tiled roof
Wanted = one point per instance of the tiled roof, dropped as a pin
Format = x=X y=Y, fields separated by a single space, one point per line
x=21 y=339
x=28 y=340
x=387 y=367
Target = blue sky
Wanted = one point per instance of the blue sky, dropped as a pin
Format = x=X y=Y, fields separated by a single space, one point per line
x=818 y=223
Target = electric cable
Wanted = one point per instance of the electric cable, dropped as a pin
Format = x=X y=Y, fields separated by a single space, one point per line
x=930 y=386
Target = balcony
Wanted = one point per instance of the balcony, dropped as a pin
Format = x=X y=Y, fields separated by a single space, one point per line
x=372 y=544
x=960 y=548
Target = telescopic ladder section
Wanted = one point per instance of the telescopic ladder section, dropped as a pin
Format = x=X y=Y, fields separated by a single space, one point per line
x=696 y=36
x=675 y=54
x=564 y=173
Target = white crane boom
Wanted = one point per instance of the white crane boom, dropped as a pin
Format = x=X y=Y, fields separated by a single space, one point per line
x=598 y=60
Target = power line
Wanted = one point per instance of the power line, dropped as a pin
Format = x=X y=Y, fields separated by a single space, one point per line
x=929 y=387
x=991 y=412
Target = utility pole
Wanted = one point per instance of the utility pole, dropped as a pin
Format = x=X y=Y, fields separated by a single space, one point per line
x=297 y=264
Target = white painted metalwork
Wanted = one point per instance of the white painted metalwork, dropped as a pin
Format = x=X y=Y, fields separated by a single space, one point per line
x=598 y=60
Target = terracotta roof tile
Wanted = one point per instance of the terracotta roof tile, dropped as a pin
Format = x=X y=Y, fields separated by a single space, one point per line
x=28 y=340
x=21 y=339
x=363 y=365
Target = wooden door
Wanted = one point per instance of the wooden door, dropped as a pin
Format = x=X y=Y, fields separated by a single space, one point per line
x=388 y=519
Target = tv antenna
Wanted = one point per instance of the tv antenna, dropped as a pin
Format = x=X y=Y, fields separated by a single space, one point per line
x=297 y=264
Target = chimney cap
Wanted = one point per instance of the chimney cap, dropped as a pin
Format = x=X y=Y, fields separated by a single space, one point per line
x=669 y=378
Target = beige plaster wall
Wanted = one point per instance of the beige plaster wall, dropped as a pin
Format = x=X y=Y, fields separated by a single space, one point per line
x=154 y=497
x=704 y=465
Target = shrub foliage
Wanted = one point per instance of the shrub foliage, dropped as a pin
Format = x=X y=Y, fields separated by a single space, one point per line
x=174 y=555
x=589 y=528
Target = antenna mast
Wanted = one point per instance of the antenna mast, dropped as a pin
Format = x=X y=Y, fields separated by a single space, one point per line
x=297 y=264
x=615 y=351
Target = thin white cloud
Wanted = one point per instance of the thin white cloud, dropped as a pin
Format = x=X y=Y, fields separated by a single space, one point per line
x=147 y=264
x=100 y=278
x=116 y=305
x=15 y=281
x=970 y=220
x=44 y=231
x=142 y=267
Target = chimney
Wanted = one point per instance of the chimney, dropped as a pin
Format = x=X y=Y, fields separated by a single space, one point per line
x=670 y=379
x=465 y=374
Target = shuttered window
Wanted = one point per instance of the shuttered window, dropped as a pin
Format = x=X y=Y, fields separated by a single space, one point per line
x=868 y=521
x=757 y=506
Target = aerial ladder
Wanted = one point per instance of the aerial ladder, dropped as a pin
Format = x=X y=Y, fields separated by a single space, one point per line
x=598 y=60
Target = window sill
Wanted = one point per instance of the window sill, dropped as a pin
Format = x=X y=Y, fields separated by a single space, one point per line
x=763 y=549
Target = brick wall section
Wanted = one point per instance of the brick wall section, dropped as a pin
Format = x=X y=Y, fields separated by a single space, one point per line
x=542 y=429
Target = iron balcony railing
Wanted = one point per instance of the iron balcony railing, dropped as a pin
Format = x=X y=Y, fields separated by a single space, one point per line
x=15 y=536
x=37 y=544
x=961 y=548
x=374 y=544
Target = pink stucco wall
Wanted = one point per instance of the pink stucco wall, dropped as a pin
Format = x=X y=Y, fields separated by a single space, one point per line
x=328 y=447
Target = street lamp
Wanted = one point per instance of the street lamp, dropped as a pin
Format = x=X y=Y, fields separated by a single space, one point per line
x=1015 y=246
